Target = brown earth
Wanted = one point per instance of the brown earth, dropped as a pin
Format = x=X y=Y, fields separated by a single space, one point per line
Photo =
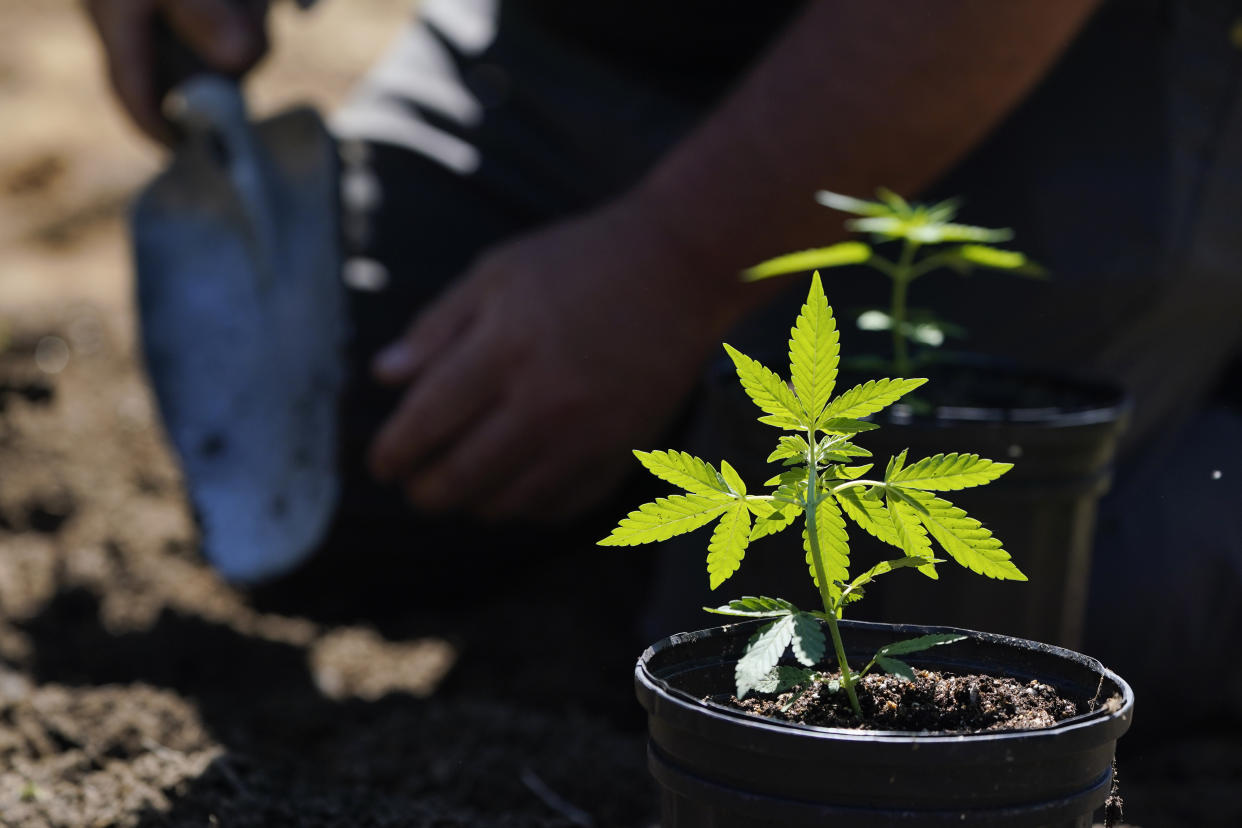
x=932 y=702
x=137 y=689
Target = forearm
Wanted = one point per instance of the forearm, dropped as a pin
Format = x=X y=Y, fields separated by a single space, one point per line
x=853 y=96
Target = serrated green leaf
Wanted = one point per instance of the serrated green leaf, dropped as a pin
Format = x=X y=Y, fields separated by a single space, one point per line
x=732 y=478
x=808 y=639
x=948 y=472
x=788 y=422
x=845 y=253
x=728 y=544
x=964 y=538
x=834 y=545
x=763 y=651
x=869 y=398
x=664 y=518
x=839 y=472
x=784 y=678
x=867 y=510
x=882 y=568
x=917 y=645
x=789 y=477
x=773 y=521
x=845 y=425
x=814 y=351
x=684 y=470
x=789 y=446
x=768 y=391
x=911 y=535
x=895 y=464
x=755 y=606
x=840 y=451
x=897 y=667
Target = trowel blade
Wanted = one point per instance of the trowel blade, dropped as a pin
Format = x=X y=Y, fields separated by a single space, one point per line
x=244 y=345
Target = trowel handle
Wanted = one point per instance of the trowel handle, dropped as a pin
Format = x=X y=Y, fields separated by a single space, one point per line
x=175 y=62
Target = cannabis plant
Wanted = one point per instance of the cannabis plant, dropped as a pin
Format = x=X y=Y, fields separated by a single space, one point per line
x=821 y=486
x=961 y=247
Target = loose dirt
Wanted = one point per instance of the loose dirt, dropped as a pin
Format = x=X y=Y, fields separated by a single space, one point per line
x=934 y=703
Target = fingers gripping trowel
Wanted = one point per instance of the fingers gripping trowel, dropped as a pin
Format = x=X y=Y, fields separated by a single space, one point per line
x=243 y=323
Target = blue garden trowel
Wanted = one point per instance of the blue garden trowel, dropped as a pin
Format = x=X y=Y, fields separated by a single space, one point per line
x=242 y=312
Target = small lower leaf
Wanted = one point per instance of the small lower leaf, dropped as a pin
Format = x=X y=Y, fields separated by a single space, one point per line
x=896 y=666
x=784 y=678
x=808 y=639
x=923 y=642
x=755 y=606
x=763 y=651
x=728 y=544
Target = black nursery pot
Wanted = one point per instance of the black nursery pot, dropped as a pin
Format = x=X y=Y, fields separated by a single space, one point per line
x=718 y=767
x=1061 y=434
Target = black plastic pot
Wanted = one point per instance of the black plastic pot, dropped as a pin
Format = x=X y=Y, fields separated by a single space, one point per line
x=1062 y=444
x=718 y=767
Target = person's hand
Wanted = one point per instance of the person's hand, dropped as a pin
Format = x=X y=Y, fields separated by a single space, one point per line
x=228 y=36
x=531 y=380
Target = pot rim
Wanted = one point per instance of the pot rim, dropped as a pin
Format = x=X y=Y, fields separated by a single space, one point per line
x=1119 y=716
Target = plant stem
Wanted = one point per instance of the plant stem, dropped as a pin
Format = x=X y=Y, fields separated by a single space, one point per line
x=902 y=274
x=821 y=575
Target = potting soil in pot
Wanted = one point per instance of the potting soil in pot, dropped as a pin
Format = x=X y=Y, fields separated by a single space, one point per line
x=934 y=702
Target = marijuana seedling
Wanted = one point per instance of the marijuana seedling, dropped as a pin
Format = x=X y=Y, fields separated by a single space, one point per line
x=960 y=247
x=820 y=486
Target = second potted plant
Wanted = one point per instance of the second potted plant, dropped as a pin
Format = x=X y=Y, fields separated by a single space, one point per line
x=1065 y=430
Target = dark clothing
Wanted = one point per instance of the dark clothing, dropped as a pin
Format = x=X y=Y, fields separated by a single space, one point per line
x=1122 y=173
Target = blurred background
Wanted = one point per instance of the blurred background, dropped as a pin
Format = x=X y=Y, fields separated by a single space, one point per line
x=136 y=688
x=69 y=160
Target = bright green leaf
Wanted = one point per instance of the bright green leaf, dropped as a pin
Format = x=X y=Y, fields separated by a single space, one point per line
x=814 y=351
x=997 y=259
x=849 y=204
x=732 y=478
x=964 y=538
x=839 y=472
x=895 y=202
x=845 y=253
x=791 y=446
x=867 y=510
x=833 y=542
x=869 y=398
x=947 y=472
x=664 y=518
x=911 y=535
x=768 y=391
x=895 y=464
x=755 y=606
x=684 y=470
x=774 y=520
x=845 y=425
x=728 y=544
